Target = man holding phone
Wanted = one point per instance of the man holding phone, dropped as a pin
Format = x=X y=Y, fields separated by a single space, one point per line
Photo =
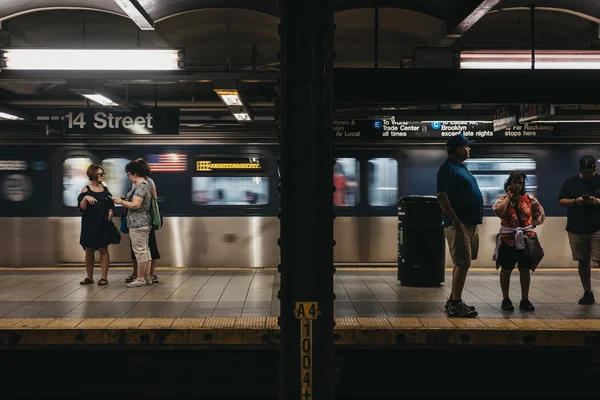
x=581 y=194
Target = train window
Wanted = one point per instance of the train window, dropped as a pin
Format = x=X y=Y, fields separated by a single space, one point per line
x=383 y=181
x=116 y=178
x=345 y=180
x=491 y=173
x=230 y=190
x=74 y=178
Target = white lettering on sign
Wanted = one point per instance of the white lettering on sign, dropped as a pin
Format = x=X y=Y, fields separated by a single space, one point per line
x=104 y=120
x=78 y=120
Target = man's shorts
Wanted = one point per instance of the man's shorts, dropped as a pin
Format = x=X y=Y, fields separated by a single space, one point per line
x=463 y=248
x=585 y=246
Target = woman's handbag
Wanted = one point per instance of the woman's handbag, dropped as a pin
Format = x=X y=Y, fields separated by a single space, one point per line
x=533 y=250
x=156 y=220
x=114 y=236
x=124 y=228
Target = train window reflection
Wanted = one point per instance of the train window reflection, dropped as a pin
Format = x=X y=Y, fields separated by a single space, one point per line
x=74 y=178
x=500 y=164
x=116 y=178
x=383 y=181
x=345 y=180
x=491 y=173
x=230 y=191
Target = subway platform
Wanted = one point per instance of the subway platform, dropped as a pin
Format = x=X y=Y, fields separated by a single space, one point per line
x=210 y=332
x=226 y=306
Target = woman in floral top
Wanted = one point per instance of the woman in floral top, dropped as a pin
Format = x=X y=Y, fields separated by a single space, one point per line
x=520 y=214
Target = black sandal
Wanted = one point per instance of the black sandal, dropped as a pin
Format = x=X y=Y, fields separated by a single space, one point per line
x=86 y=281
x=102 y=282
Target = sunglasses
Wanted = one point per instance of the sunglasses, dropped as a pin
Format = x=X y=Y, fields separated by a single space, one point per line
x=518 y=182
x=101 y=174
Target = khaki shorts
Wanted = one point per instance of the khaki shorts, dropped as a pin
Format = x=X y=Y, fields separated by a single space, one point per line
x=462 y=248
x=585 y=246
x=139 y=243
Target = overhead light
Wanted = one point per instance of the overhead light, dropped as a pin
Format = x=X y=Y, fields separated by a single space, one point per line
x=242 y=117
x=98 y=98
x=137 y=14
x=98 y=93
x=92 y=60
x=521 y=59
x=11 y=117
x=230 y=96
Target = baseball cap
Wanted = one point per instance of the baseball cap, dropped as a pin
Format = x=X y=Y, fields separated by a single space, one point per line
x=458 y=140
x=587 y=162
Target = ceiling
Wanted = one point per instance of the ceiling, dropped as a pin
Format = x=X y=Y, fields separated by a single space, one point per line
x=238 y=40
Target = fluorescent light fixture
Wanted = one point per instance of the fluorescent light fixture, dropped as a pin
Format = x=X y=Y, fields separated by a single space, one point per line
x=98 y=98
x=230 y=97
x=137 y=14
x=93 y=60
x=242 y=117
x=4 y=115
x=521 y=59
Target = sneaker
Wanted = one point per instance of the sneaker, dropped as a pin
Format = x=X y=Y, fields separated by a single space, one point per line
x=507 y=305
x=588 y=298
x=136 y=283
x=450 y=300
x=148 y=282
x=461 y=310
x=154 y=278
x=130 y=278
x=526 y=305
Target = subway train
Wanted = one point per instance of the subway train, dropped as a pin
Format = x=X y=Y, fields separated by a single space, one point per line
x=219 y=196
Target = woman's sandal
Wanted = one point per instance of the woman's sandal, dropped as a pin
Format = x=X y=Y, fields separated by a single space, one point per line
x=102 y=282
x=86 y=281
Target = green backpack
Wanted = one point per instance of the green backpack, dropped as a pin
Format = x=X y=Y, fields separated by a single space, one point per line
x=156 y=218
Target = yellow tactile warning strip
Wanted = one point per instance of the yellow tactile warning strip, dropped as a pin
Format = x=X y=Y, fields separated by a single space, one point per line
x=167 y=268
x=157 y=323
x=588 y=323
x=530 y=323
x=499 y=323
x=188 y=323
x=64 y=323
x=437 y=323
x=405 y=323
x=265 y=331
x=9 y=322
x=370 y=323
x=347 y=323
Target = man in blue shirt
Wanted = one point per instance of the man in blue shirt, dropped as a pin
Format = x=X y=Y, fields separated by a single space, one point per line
x=581 y=194
x=462 y=203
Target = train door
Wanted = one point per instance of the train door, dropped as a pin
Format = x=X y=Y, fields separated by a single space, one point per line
x=365 y=226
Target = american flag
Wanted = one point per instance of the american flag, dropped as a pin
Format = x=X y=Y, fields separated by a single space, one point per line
x=170 y=162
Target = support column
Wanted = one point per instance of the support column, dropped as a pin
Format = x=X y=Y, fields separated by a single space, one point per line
x=306 y=200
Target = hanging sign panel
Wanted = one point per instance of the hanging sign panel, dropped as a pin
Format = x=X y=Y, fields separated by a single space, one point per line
x=392 y=129
x=139 y=122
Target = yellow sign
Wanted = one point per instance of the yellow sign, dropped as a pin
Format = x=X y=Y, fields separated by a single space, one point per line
x=210 y=166
x=307 y=310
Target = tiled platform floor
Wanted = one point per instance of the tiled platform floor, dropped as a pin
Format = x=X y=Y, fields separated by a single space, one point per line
x=188 y=293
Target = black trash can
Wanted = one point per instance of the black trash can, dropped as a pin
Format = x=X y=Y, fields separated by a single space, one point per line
x=421 y=242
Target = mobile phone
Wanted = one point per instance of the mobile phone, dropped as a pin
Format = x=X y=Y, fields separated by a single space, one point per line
x=586 y=197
